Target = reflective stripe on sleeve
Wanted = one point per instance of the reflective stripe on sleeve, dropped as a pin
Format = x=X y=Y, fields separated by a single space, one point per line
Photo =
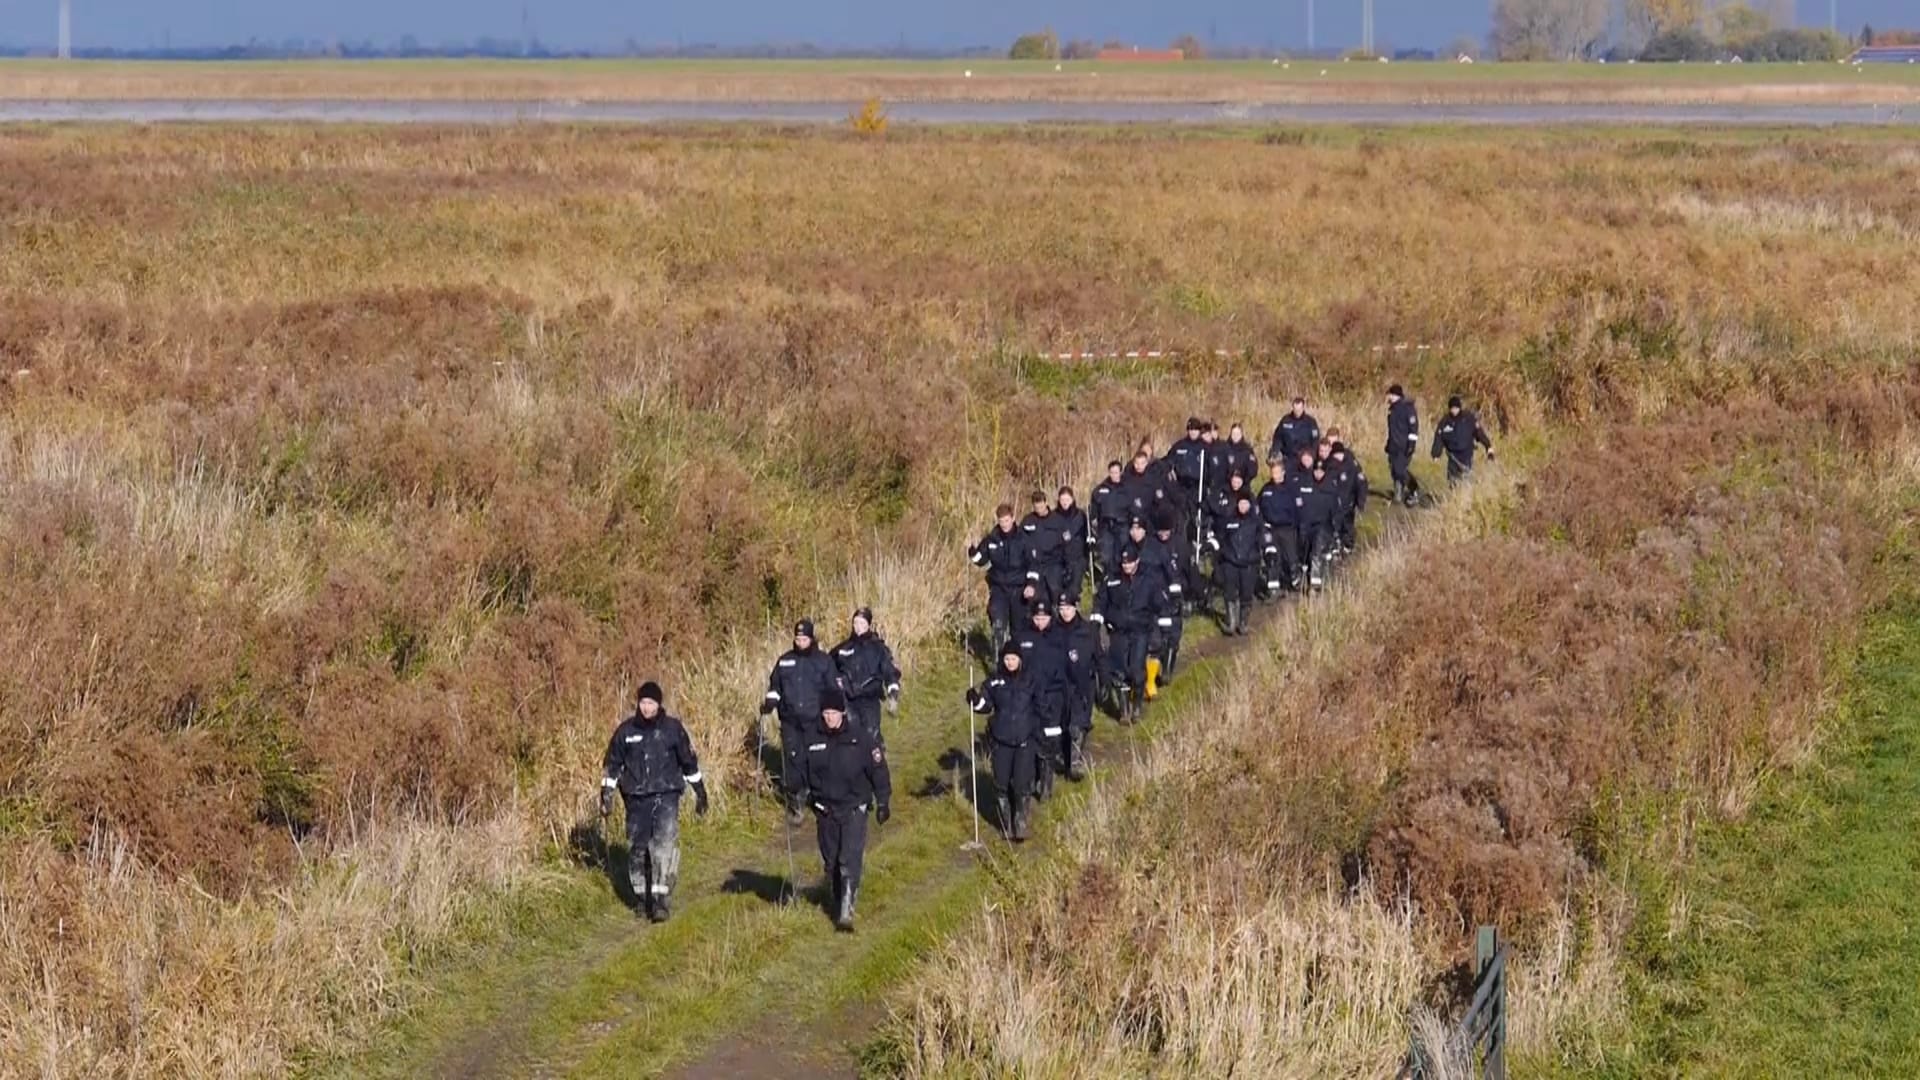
x=693 y=779
x=608 y=782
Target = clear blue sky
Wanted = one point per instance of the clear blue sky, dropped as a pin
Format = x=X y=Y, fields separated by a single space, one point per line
x=942 y=23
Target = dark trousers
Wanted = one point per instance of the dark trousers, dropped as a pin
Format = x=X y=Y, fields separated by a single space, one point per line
x=793 y=757
x=1073 y=581
x=1401 y=466
x=1458 y=469
x=1079 y=711
x=1348 y=530
x=1167 y=643
x=653 y=844
x=1013 y=770
x=1112 y=538
x=1052 y=710
x=1004 y=606
x=1127 y=655
x=866 y=718
x=1284 y=564
x=1234 y=582
x=1316 y=542
x=842 y=832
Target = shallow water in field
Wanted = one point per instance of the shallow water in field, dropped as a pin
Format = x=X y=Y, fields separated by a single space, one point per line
x=1023 y=112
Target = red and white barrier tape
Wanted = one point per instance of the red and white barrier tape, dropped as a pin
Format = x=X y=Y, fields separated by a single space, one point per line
x=1158 y=354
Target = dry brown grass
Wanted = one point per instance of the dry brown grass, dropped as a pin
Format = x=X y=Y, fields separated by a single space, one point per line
x=1640 y=627
x=350 y=479
x=1299 y=82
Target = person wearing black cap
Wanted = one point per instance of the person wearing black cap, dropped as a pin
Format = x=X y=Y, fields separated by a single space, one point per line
x=1043 y=655
x=1130 y=606
x=794 y=688
x=1002 y=553
x=1080 y=640
x=1076 y=538
x=1296 y=431
x=1459 y=430
x=1186 y=459
x=1237 y=545
x=1046 y=557
x=868 y=675
x=1315 y=505
x=1008 y=698
x=1111 y=510
x=650 y=762
x=1161 y=557
x=847 y=775
x=1403 y=441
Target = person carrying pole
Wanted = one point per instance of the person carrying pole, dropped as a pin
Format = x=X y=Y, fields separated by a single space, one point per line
x=650 y=762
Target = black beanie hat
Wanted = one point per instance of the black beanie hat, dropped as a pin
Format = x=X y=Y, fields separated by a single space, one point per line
x=832 y=700
x=650 y=691
x=1009 y=649
x=804 y=626
x=1454 y=402
x=1395 y=391
x=864 y=612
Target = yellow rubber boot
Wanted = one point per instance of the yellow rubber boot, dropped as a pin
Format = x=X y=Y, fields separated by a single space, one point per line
x=1153 y=677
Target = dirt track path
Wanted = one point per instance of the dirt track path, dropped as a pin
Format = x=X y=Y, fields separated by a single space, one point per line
x=739 y=984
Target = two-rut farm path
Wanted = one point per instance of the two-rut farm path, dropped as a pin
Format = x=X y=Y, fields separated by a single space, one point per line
x=738 y=983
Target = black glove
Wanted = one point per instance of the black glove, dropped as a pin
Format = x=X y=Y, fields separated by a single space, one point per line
x=766 y=706
x=882 y=813
x=700 y=797
x=606 y=801
x=973 y=696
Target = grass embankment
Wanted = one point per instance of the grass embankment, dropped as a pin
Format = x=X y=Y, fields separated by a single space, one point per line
x=1793 y=936
x=351 y=478
x=1623 y=648
x=1293 y=81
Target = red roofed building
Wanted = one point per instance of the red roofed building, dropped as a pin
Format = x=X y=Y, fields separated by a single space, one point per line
x=1137 y=53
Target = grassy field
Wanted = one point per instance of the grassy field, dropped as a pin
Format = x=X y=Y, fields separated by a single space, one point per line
x=1797 y=926
x=1287 y=81
x=351 y=478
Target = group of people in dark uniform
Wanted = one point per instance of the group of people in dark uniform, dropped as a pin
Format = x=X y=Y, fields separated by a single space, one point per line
x=1162 y=536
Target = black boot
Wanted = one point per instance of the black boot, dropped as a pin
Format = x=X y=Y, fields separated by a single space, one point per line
x=657 y=908
x=1006 y=817
x=843 y=914
x=1045 y=787
x=1020 y=821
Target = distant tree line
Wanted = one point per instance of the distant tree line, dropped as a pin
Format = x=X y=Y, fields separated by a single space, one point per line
x=1657 y=30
